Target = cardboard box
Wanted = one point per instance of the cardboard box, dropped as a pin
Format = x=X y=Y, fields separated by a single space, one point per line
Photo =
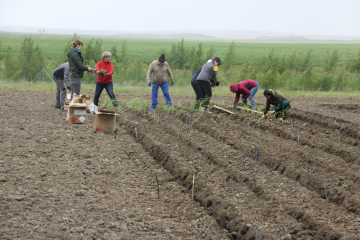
x=105 y=122
x=77 y=113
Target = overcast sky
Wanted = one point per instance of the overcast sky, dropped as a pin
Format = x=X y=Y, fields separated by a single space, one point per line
x=325 y=17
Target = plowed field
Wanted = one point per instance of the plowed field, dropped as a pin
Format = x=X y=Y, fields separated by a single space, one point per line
x=253 y=179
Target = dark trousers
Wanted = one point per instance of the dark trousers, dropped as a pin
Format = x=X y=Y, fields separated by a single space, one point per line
x=198 y=94
x=109 y=89
x=206 y=92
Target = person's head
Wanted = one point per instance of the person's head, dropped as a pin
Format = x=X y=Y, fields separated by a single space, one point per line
x=78 y=44
x=106 y=56
x=161 y=59
x=217 y=61
x=269 y=93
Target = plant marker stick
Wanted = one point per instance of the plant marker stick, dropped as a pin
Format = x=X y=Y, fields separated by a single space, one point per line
x=256 y=155
x=299 y=135
x=178 y=133
x=192 y=192
x=257 y=234
x=344 y=236
x=158 y=186
x=136 y=135
x=325 y=191
x=356 y=155
x=339 y=135
x=257 y=133
x=219 y=134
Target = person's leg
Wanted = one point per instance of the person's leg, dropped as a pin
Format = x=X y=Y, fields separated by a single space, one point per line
x=285 y=107
x=154 y=95
x=253 y=91
x=198 y=94
x=98 y=90
x=110 y=90
x=202 y=93
x=75 y=87
x=208 y=93
x=58 y=92
x=165 y=90
x=62 y=96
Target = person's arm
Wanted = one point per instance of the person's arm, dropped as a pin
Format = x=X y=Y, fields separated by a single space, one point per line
x=111 y=71
x=237 y=97
x=169 y=72
x=215 y=70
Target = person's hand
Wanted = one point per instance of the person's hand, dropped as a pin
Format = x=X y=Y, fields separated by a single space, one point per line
x=149 y=84
x=106 y=74
x=262 y=116
x=102 y=74
x=234 y=105
x=172 y=82
x=217 y=83
x=89 y=69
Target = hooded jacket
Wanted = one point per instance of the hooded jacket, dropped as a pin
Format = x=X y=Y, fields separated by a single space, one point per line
x=244 y=88
x=62 y=72
x=76 y=64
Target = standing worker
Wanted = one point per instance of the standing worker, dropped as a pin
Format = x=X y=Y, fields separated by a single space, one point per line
x=159 y=68
x=77 y=68
x=61 y=77
x=281 y=104
x=247 y=89
x=208 y=71
x=105 y=70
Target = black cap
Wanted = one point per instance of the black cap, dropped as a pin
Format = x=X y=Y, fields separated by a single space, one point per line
x=218 y=60
x=162 y=58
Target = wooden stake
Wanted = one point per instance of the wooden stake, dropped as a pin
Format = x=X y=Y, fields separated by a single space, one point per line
x=136 y=135
x=222 y=109
x=250 y=110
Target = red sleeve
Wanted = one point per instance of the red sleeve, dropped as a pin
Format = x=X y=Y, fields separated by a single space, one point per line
x=97 y=66
x=111 y=71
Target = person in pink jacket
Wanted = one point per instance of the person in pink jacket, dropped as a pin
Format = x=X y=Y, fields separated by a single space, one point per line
x=247 y=89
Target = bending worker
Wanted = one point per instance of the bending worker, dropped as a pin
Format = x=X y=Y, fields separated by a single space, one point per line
x=159 y=68
x=281 y=104
x=208 y=71
x=61 y=77
x=247 y=89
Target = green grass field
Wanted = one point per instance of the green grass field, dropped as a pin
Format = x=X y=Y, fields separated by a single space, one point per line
x=52 y=46
x=218 y=91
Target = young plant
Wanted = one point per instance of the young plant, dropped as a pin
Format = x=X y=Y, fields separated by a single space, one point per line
x=110 y=104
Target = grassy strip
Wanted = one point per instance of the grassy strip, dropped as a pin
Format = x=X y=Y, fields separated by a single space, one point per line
x=222 y=91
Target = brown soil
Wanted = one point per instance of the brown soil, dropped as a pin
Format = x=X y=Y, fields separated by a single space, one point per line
x=63 y=181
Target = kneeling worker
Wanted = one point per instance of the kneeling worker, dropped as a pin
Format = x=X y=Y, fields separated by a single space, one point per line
x=281 y=104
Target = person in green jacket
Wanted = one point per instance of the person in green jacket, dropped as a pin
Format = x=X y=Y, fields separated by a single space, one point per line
x=281 y=105
x=77 y=68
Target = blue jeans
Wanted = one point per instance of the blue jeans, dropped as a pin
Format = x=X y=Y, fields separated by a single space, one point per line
x=109 y=89
x=251 y=97
x=154 y=94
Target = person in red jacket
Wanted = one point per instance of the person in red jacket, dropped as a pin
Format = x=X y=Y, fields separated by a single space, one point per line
x=105 y=70
x=247 y=89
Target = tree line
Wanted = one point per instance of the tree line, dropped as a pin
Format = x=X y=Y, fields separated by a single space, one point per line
x=294 y=71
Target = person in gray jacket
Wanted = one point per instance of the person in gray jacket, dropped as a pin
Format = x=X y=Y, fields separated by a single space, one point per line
x=61 y=77
x=208 y=71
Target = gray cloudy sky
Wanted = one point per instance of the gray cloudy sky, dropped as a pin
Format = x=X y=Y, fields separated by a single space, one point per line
x=326 y=17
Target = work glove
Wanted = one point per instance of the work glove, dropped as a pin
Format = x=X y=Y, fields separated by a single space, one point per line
x=217 y=83
x=149 y=84
x=212 y=84
x=106 y=74
x=102 y=74
x=172 y=82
